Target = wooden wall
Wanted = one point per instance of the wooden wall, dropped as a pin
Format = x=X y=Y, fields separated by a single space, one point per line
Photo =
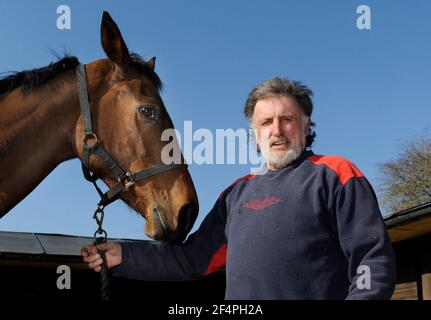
x=414 y=269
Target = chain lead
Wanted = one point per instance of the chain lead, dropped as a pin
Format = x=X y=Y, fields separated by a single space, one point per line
x=99 y=215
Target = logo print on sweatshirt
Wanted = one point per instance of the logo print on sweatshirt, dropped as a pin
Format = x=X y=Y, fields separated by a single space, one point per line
x=262 y=203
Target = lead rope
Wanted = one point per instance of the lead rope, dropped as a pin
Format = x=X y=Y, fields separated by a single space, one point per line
x=105 y=292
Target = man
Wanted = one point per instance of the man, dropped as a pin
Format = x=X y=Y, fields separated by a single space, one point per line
x=308 y=228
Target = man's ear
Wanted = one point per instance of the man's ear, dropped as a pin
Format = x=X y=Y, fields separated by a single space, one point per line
x=307 y=127
x=307 y=124
x=113 y=43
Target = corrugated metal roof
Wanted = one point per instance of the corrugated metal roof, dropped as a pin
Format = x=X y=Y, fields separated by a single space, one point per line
x=20 y=243
x=47 y=244
x=63 y=245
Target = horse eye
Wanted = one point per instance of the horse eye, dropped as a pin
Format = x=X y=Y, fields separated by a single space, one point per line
x=147 y=112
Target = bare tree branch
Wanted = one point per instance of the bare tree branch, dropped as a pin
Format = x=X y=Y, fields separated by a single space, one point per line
x=406 y=181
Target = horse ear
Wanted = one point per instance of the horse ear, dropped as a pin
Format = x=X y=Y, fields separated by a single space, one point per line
x=152 y=63
x=113 y=43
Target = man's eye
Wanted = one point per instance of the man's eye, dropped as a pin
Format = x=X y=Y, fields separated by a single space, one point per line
x=148 y=112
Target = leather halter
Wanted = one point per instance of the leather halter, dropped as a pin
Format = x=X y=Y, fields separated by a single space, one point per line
x=125 y=178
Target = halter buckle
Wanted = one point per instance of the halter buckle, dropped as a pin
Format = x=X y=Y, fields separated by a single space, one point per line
x=127 y=180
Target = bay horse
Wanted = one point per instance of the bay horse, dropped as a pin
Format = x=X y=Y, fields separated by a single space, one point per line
x=41 y=125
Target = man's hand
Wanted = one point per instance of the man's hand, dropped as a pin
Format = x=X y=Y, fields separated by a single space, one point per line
x=92 y=256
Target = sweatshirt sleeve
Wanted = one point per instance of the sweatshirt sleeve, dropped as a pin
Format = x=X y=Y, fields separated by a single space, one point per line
x=203 y=252
x=364 y=241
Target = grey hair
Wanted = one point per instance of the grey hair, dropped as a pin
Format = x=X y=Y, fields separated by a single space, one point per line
x=278 y=86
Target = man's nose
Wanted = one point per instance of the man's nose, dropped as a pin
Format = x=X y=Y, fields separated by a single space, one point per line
x=276 y=128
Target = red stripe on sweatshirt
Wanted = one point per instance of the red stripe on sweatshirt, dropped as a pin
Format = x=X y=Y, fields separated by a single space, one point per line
x=342 y=167
x=218 y=261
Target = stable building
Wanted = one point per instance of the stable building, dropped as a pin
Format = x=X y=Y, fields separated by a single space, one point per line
x=29 y=266
x=410 y=234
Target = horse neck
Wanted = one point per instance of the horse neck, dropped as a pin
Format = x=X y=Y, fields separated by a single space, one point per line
x=37 y=133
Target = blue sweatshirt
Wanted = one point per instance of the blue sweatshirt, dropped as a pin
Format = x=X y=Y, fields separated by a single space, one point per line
x=300 y=232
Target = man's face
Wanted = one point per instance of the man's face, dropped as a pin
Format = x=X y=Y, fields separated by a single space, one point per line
x=280 y=130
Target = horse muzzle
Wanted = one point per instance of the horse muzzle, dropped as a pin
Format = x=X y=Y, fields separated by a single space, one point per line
x=162 y=231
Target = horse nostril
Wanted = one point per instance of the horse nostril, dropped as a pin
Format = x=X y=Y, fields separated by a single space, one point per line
x=186 y=217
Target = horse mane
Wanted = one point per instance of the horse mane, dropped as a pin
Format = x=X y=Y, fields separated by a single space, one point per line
x=30 y=80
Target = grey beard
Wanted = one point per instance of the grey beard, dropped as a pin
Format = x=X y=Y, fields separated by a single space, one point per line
x=283 y=160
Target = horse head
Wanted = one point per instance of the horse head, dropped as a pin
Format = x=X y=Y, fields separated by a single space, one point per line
x=129 y=117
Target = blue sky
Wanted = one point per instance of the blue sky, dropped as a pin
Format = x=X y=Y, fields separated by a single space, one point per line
x=372 y=87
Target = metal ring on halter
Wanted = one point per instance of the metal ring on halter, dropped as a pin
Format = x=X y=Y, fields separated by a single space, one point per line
x=100 y=232
x=90 y=136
